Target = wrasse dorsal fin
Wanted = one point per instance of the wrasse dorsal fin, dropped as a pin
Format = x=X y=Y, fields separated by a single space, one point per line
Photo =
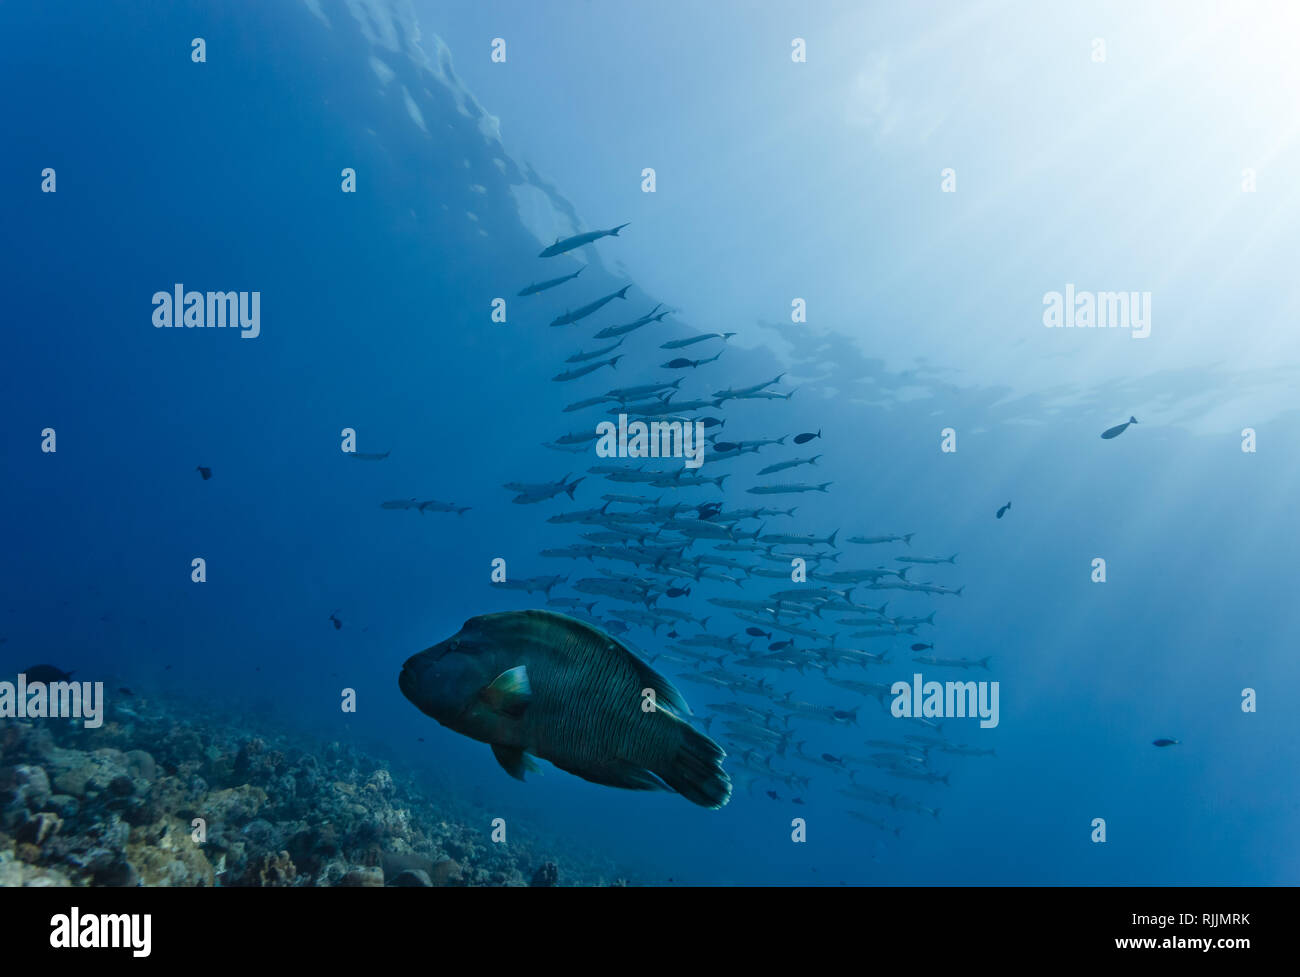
x=509 y=693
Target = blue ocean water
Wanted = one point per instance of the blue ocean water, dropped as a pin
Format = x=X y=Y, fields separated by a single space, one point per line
x=775 y=180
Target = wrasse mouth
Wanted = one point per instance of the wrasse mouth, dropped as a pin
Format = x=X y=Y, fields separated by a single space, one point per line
x=406 y=681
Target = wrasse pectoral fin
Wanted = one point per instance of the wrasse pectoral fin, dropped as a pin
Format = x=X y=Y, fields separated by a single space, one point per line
x=509 y=693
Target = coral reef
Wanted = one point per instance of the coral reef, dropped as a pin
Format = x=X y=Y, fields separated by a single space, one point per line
x=160 y=798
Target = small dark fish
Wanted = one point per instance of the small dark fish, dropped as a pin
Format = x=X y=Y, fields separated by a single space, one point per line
x=920 y=647
x=780 y=645
x=708 y=510
x=805 y=438
x=338 y=625
x=167 y=668
x=616 y=627
x=799 y=801
x=1118 y=429
x=205 y=472
x=125 y=691
x=758 y=632
x=1003 y=511
x=589 y=308
x=1165 y=742
x=673 y=633
x=681 y=362
x=578 y=240
x=709 y=422
x=46 y=673
x=419 y=739
x=536 y=287
x=721 y=446
x=678 y=592
x=772 y=794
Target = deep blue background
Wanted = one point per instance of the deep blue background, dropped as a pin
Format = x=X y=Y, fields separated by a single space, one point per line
x=375 y=309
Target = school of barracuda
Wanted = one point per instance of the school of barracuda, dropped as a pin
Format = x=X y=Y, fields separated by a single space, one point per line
x=662 y=564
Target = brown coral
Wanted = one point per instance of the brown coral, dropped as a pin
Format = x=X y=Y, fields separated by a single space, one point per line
x=276 y=870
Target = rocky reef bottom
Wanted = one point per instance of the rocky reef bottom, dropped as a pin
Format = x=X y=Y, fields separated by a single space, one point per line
x=117 y=806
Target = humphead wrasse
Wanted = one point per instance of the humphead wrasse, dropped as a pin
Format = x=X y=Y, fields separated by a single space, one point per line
x=537 y=683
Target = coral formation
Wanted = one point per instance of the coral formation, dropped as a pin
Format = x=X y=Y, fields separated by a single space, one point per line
x=154 y=798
